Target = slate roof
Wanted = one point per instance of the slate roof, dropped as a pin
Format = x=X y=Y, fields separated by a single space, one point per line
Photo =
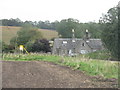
x=92 y=43
x=95 y=43
x=59 y=43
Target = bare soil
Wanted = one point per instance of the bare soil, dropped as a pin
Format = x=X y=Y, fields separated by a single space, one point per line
x=40 y=74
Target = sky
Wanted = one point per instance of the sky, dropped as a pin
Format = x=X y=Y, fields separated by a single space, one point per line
x=36 y=10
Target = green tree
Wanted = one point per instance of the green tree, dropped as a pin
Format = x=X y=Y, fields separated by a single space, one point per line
x=109 y=24
x=119 y=29
x=64 y=27
x=26 y=34
x=11 y=22
x=94 y=29
x=29 y=45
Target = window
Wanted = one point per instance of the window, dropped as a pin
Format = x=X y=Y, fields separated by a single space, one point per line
x=70 y=51
x=87 y=41
x=83 y=44
x=94 y=50
x=64 y=42
x=82 y=51
x=73 y=40
x=73 y=50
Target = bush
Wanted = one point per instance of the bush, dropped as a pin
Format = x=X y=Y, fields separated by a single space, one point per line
x=41 y=45
x=102 y=55
x=29 y=46
x=7 y=48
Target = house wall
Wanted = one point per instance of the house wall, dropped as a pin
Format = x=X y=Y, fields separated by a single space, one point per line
x=55 y=50
x=59 y=48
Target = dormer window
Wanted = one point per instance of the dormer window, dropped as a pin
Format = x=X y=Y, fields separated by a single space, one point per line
x=73 y=40
x=64 y=42
x=87 y=41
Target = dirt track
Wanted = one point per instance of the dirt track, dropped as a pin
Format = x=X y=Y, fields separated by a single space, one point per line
x=39 y=74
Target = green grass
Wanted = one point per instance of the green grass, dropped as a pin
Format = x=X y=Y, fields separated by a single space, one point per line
x=106 y=69
x=31 y=57
x=102 y=55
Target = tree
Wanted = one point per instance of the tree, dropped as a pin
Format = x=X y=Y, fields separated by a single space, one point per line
x=65 y=27
x=118 y=29
x=94 y=29
x=41 y=45
x=26 y=34
x=11 y=22
x=29 y=46
x=109 y=24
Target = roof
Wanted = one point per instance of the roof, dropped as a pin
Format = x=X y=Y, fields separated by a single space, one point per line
x=95 y=43
x=69 y=43
x=66 y=42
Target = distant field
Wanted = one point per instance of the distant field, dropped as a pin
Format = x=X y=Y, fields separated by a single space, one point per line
x=10 y=31
x=49 y=34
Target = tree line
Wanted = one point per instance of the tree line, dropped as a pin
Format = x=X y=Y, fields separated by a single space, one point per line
x=63 y=27
x=40 y=24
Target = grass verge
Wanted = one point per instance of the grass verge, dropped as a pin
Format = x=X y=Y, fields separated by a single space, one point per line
x=102 y=55
x=104 y=68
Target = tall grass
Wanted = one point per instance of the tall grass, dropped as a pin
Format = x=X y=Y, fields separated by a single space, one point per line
x=107 y=69
x=102 y=55
x=31 y=57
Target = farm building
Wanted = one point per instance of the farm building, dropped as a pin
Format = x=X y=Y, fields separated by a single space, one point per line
x=74 y=46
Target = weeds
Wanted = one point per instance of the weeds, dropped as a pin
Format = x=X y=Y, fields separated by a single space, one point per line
x=107 y=69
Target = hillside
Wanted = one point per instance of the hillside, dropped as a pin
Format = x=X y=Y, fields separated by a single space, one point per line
x=10 y=31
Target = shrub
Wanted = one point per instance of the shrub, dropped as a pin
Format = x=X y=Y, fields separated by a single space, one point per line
x=29 y=46
x=41 y=45
x=7 y=48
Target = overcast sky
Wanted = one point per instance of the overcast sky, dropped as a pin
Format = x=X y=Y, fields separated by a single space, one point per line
x=35 y=10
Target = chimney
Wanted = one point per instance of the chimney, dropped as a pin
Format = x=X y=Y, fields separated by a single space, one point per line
x=73 y=33
x=86 y=34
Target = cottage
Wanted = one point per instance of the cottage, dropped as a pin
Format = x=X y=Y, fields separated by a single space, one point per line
x=74 y=46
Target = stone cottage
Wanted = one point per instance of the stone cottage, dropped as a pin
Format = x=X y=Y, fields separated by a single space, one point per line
x=74 y=46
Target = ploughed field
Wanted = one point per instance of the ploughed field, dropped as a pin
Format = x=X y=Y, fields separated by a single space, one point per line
x=41 y=74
